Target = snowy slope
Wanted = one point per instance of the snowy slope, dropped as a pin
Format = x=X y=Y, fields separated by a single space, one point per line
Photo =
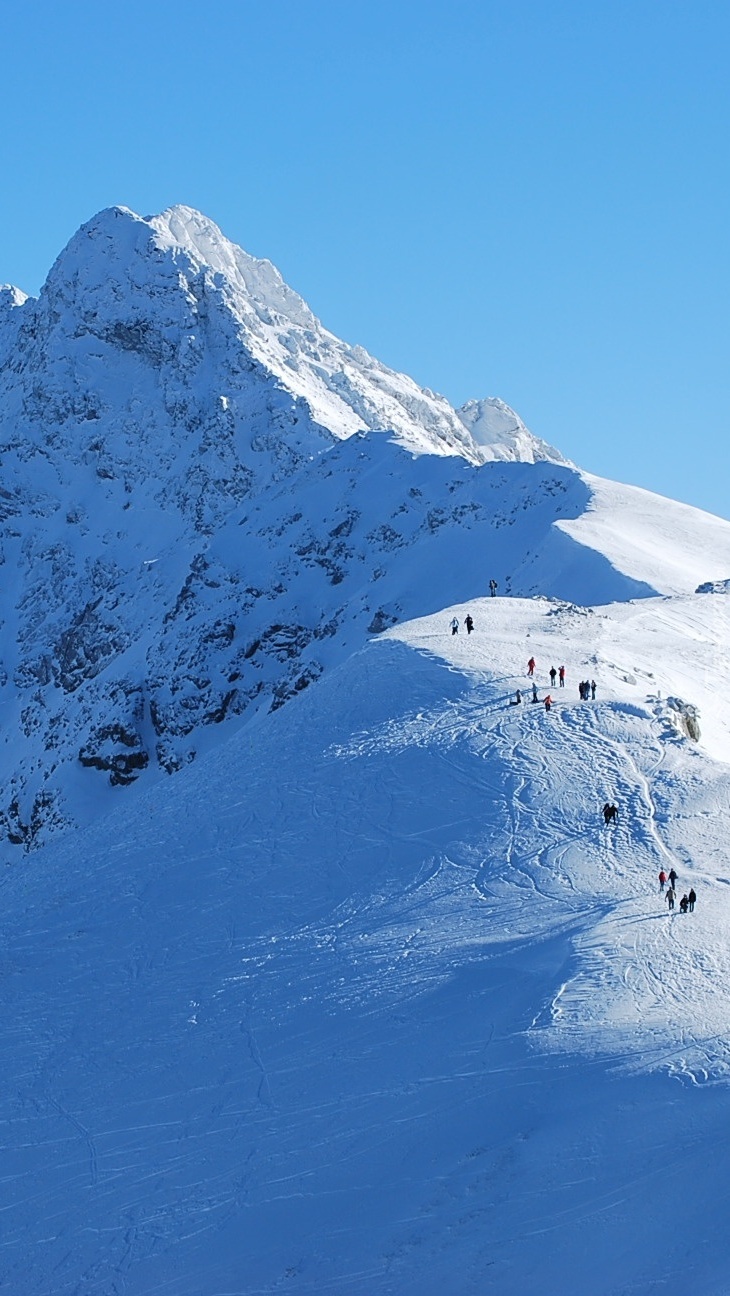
x=368 y=1000
x=208 y=501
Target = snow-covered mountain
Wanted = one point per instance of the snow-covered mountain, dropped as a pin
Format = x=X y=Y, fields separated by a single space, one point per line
x=208 y=500
x=366 y=999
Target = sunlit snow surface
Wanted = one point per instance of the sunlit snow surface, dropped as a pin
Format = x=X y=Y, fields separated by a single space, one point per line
x=371 y=1001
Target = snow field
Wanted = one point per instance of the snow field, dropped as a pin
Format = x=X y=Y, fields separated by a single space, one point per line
x=371 y=1001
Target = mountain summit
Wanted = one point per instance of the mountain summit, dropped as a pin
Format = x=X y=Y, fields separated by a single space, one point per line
x=163 y=288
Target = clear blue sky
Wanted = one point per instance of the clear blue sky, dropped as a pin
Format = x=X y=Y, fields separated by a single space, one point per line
x=526 y=199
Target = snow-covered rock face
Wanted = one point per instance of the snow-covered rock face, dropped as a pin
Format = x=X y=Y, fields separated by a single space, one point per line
x=207 y=500
x=502 y=434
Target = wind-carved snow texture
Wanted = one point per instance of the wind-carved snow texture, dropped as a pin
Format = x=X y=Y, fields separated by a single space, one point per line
x=208 y=501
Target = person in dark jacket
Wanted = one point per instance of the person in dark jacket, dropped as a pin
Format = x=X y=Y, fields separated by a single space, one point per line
x=468 y=622
x=593 y=689
x=672 y=878
x=669 y=897
x=691 y=900
x=683 y=904
x=553 y=674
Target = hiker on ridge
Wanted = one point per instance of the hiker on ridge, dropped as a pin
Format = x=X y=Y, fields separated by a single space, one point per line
x=454 y=626
x=468 y=622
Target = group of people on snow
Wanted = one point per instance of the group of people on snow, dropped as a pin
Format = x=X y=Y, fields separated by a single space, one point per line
x=586 y=688
x=468 y=622
x=688 y=901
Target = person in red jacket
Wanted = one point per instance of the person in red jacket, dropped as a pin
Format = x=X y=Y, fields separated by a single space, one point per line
x=662 y=880
x=548 y=702
x=561 y=676
x=531 y=666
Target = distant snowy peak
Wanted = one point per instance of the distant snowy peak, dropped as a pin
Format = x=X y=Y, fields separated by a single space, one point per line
x=10 y=297
x=177 y=281
x=173 y=282
x=10 y=301
x=346 y=389
x=500 y=431
x=175 y=268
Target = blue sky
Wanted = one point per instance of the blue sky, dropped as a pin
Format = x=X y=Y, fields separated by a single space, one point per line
x=521 y=199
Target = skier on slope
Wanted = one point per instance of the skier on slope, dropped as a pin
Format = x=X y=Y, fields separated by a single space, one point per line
x=535 y=698
x=531 y=666
x=548 y=702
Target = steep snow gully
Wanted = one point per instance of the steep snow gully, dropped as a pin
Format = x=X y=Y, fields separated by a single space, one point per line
x=321 y=971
